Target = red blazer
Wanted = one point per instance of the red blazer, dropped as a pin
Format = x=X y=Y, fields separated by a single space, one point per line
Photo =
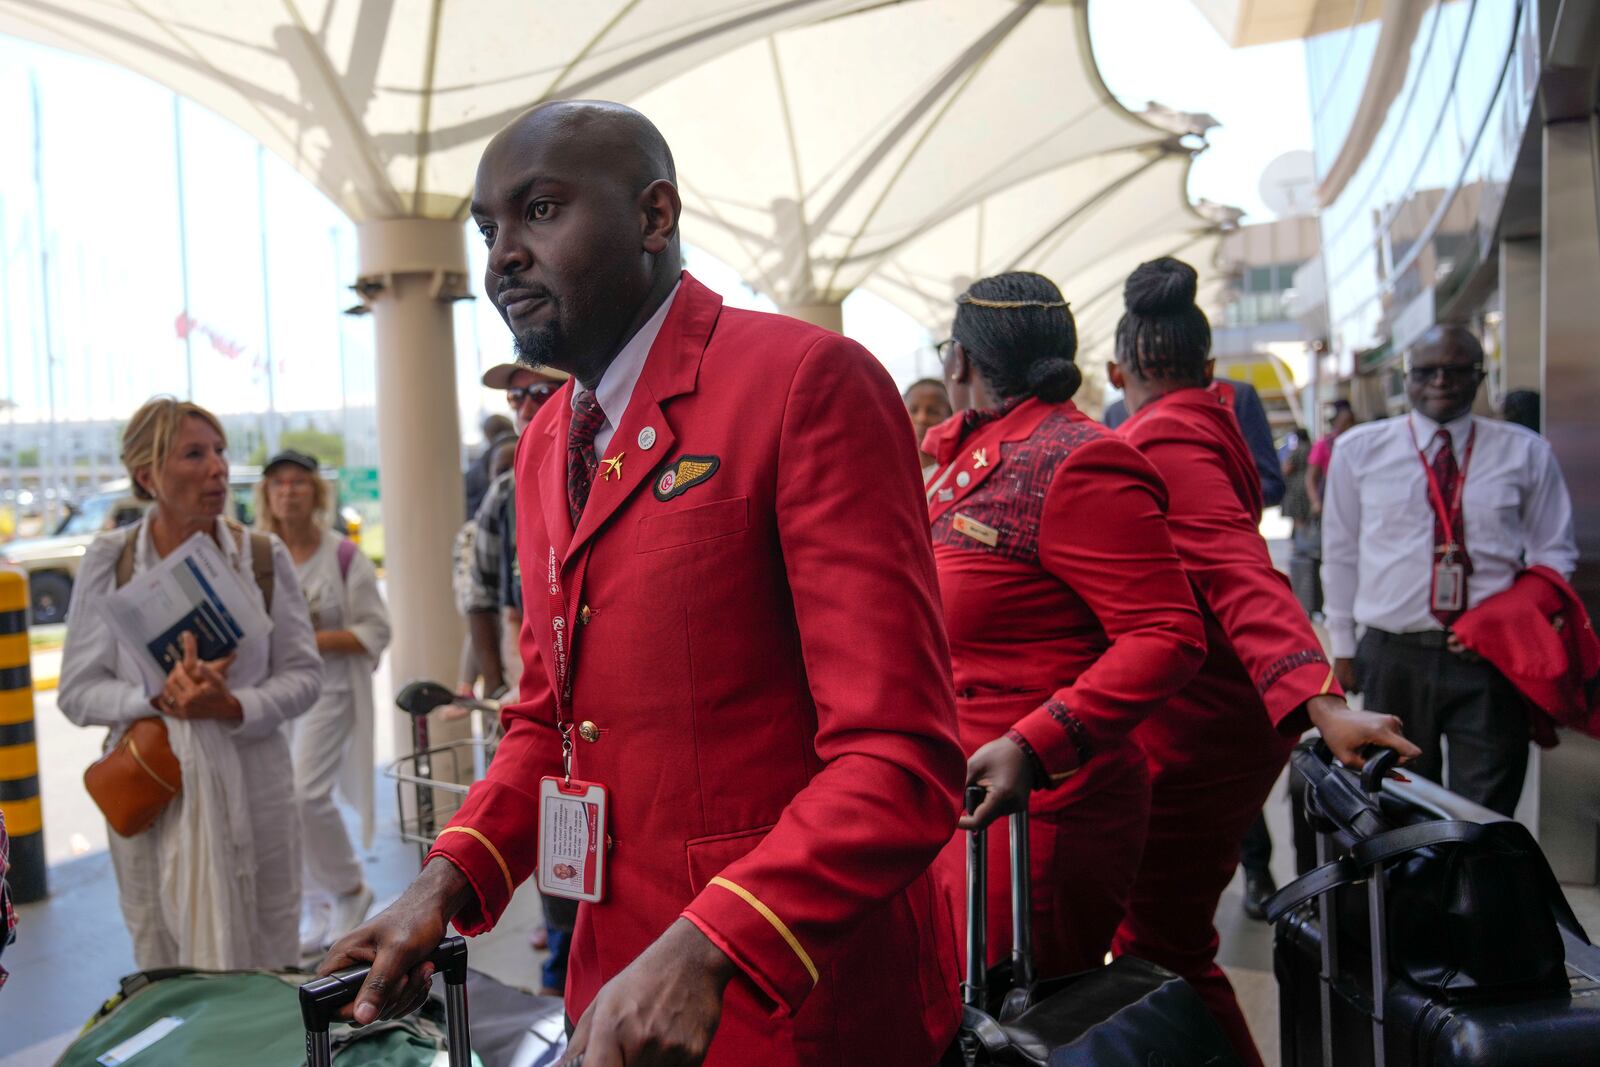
x=1080 y=602
x=1538 y=634
x=760 y=655
x=1263 y=660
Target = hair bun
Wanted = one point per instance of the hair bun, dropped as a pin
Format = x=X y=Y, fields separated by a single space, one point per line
x=1160 y=287
x=1054 y=379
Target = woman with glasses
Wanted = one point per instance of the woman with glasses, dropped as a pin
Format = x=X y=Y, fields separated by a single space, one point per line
x=1068 y=613
x=332 y=742
x=1216 y=748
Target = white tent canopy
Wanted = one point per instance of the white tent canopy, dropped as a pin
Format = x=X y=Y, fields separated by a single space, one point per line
x=814 y=156
x=386 y=104
x=1085 y=226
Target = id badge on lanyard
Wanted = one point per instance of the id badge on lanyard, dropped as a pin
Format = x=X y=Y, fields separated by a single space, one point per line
x=1449 y=586
x=1451 y=565
x=572 y=812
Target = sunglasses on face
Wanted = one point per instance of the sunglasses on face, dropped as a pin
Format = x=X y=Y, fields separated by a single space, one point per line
x=1453 y=373
x=540 y=393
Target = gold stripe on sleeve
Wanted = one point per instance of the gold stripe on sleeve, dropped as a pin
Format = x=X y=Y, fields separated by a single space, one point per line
x=511 y=886
x=777 y=924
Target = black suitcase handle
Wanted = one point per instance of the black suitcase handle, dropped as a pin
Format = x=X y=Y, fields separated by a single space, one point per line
x=975 y=989
x=320 y=1001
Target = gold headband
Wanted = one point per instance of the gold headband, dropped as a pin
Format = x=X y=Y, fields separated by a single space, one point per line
x=979 y=302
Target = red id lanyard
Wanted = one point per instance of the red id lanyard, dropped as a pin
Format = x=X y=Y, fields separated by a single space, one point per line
x=1447 y=515
x=561 y=652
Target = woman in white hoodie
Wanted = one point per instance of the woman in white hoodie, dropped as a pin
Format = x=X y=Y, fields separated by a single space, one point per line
x=215 y=882
x=332 y=743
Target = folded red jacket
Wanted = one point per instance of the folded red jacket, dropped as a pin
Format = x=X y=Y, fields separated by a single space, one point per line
x=1538 y=634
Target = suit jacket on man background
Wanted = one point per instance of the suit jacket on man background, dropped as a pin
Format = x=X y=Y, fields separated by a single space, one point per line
x=762 y=681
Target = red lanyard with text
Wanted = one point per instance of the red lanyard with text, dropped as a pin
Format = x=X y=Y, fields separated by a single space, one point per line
x=561 y=652
x=1447 y=515
x=572 y=814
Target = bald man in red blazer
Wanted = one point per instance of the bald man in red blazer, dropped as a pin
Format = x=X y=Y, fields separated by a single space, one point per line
x=724 y=548
x=761 y=681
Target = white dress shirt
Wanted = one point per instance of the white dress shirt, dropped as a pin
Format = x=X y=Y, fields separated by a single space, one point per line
x=615 y=388
x=1377 y=520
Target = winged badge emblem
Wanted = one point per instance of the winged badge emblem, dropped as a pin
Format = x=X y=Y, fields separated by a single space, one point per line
x=682 y=474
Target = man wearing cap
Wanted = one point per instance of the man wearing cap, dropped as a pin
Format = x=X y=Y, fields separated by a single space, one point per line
x=494 y=617
x=732 y=638
x=495 y=582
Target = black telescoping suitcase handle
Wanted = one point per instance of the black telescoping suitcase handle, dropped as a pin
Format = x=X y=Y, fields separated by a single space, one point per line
x=320 y=1001
x=975 y=988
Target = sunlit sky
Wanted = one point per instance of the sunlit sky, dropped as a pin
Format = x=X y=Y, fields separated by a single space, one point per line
x=110 y=202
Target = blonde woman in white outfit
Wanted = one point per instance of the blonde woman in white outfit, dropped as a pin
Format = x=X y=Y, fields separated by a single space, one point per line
x=332 y=743
x=215 y=883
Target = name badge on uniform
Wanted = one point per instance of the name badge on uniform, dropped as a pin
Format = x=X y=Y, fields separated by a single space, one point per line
x=976 y=530
x=1449 y=586
x=572 y=839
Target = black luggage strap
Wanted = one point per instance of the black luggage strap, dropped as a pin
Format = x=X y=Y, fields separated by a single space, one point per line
x=1312 y=884
x=1387 y=846
x=1367 y=854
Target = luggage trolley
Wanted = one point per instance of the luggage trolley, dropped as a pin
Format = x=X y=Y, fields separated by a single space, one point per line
x=439 y=774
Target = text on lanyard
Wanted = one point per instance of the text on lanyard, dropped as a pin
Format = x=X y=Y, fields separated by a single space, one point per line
x=1447 y=514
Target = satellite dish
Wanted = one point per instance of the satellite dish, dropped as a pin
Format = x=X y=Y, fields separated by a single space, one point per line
x=1289 y=185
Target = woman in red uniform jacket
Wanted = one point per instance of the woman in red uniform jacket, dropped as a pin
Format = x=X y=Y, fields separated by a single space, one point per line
x=1069 y=615
x=1216 y=749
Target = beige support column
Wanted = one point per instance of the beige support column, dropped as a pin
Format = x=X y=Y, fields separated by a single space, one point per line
x=1520 y=295
x=828 y=316
x=411 y=272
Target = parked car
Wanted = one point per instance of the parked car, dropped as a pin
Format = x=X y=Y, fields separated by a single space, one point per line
x=52 y=562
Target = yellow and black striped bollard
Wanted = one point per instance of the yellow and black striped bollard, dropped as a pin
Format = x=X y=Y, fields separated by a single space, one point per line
x=19 y=758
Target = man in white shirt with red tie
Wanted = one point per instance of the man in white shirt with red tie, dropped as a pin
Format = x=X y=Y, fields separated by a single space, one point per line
x=1424 y=516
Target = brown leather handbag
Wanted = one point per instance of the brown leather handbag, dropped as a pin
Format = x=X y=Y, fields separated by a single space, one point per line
x=134 y=782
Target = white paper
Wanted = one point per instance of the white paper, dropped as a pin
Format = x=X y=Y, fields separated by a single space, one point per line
x=192 y=590
x=140 y=1041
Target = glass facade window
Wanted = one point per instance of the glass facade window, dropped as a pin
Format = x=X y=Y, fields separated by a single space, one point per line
x=1261 y=294
x=1337 y=65
x=1419 y=212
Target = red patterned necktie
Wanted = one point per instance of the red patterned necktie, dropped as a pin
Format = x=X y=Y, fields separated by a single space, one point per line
x=587 y=418
x=1453 y=540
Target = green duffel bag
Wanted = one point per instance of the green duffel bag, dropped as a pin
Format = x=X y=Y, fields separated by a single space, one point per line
x=180 y=1017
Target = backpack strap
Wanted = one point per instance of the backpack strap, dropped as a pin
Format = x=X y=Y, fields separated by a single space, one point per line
x=347 y=552
x=261 y=567
x=124 y=571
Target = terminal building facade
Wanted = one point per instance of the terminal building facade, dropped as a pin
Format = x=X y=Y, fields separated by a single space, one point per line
x=1456 y=153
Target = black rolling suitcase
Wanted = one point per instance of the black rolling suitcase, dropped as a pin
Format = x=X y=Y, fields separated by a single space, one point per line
x=1433 y=934
x=1129 y=1013
x=321 y=999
